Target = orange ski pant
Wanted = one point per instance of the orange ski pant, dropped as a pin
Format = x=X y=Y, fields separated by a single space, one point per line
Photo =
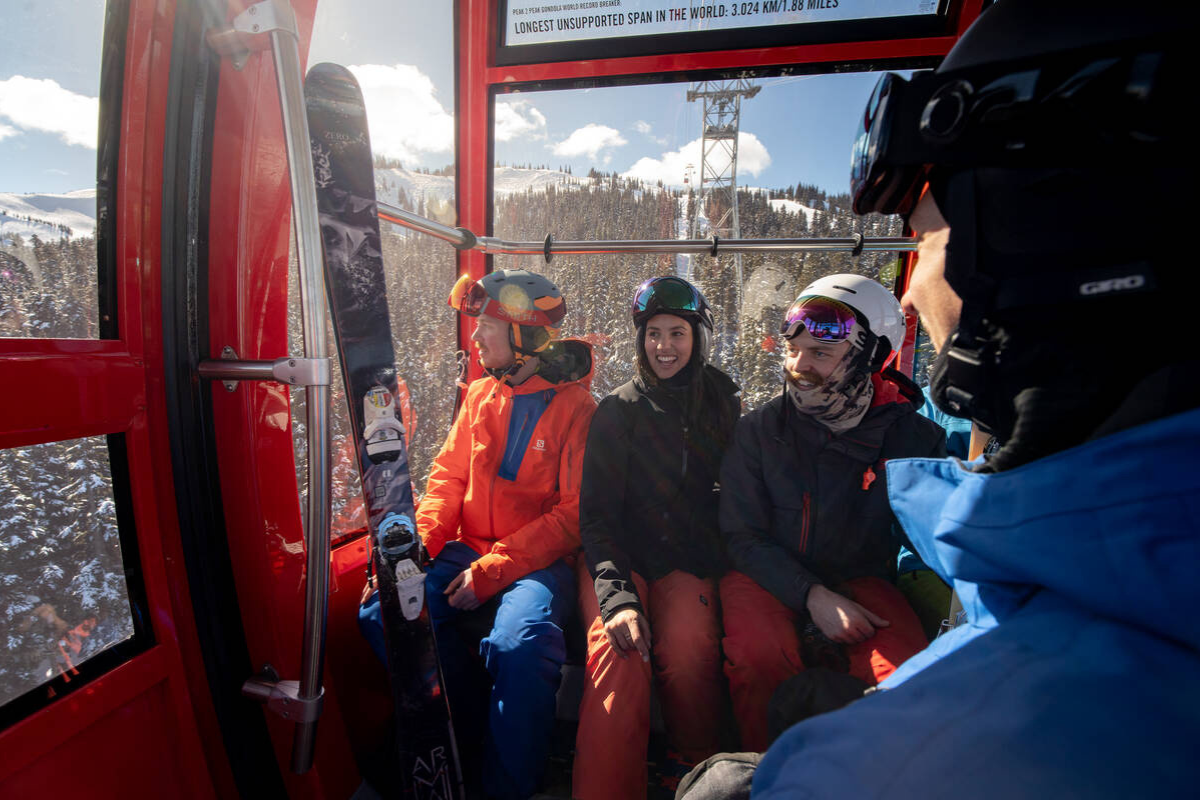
x=762 y=645
x=614 y=716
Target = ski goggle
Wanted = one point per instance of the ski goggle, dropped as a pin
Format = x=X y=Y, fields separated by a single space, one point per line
x=667 y=294
x=825 y=319
x=468 y=297
x=887 y=162
x=1071 y=111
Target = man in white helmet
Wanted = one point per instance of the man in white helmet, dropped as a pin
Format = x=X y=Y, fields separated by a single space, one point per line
x=804 y=504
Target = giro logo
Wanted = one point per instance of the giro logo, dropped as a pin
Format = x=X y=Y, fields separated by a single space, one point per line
x=1128 y=283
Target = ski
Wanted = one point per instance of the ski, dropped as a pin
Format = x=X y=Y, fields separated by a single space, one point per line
x=354 y=278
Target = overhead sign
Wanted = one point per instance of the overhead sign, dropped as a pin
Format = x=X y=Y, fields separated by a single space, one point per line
x=549 y=21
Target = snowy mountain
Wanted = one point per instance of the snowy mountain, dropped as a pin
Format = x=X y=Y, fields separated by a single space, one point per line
x=48 y=216
x=73 y=215
x=438 y=190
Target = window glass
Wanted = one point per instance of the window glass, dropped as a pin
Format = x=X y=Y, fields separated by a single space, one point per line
x=633 y=162
x=923 y=357
x=64 y=596
x=402 y=55
x=49 y=112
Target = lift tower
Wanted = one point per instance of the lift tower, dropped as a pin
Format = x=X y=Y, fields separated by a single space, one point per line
x=717 y=193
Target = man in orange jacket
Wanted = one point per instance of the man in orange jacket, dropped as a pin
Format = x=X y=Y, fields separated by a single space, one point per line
x=500 y=516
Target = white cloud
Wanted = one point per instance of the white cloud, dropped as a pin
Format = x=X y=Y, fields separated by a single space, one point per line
x=644 y=128
x=6 y=131
x=35 y=104
x=405 y=117
x=590 y=140
x=670 y=167
x=518 y=118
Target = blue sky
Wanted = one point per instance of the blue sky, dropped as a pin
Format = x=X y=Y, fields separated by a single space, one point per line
x=49 y=81
x=796 y=129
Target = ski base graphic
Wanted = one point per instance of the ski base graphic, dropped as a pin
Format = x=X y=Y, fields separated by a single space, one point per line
x=354 y=275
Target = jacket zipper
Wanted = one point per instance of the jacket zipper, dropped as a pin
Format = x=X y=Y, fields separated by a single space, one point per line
x=492 y=488
x=804 y=525
x=685 y=450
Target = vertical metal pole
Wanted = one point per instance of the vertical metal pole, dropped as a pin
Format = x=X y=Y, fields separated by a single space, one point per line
x=286 y=49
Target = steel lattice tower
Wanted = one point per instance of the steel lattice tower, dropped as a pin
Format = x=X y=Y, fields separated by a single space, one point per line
x=717 y=193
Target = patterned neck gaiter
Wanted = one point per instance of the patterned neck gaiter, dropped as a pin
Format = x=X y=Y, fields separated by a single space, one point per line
x=842 y=399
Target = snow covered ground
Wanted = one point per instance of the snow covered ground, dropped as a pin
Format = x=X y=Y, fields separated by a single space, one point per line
x=440 y=188
x=27 y=215
x=792 y=207
x=42 y=214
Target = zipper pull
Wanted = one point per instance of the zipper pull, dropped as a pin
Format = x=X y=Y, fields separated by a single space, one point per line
x=868 y=478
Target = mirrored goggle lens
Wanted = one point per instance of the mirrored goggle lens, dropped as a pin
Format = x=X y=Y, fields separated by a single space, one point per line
x=825 y=319
x=666 y=293
x=468 y=296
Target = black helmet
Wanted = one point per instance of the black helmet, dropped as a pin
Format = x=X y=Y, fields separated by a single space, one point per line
x=1053 y=139
x=671 y=295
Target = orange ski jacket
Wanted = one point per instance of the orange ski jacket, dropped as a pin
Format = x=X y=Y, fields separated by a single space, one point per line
x=506 y=482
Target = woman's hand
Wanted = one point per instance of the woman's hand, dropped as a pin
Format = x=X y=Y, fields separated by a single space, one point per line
x=628 y=631
x=840 y=618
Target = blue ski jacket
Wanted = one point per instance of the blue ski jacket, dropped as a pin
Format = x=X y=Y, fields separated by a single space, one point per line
x=1077 y=674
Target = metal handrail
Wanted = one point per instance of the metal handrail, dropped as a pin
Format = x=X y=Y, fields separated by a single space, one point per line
x=464 y=239
x=285 y=46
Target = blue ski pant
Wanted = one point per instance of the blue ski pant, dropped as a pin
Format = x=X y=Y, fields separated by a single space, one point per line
x=523 y=654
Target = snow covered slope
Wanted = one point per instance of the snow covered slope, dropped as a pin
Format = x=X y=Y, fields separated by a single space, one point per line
x=440 y=188
x=792 y=207
x=48 y=216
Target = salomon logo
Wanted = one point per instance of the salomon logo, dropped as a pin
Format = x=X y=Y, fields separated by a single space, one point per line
x=1125 y=284
x=540 y=445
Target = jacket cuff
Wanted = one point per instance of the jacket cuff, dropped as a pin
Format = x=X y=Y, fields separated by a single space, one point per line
x=802 y=586
x=433 y=545
x=487 y=577
x=608 y=612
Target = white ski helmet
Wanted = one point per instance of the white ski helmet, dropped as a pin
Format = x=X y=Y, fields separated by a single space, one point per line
x=866 y=297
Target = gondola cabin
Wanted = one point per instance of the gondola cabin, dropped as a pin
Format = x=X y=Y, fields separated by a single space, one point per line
x=155 y=487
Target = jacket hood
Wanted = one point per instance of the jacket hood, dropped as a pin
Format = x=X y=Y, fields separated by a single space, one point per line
x=563 y=362
x=892 y=386
x=1111 y=526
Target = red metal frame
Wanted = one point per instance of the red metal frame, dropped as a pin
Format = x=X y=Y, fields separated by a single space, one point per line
x=144 y=723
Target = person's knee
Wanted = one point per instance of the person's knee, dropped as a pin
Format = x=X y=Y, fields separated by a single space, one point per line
x=692 y=650
x=752 y=651
x=528 y=650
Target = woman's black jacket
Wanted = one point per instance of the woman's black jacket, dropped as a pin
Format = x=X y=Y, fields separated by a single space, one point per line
x=801 y=506
x=648 y=499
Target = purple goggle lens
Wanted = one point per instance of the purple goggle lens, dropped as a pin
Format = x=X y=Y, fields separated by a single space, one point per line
x=825 y=319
